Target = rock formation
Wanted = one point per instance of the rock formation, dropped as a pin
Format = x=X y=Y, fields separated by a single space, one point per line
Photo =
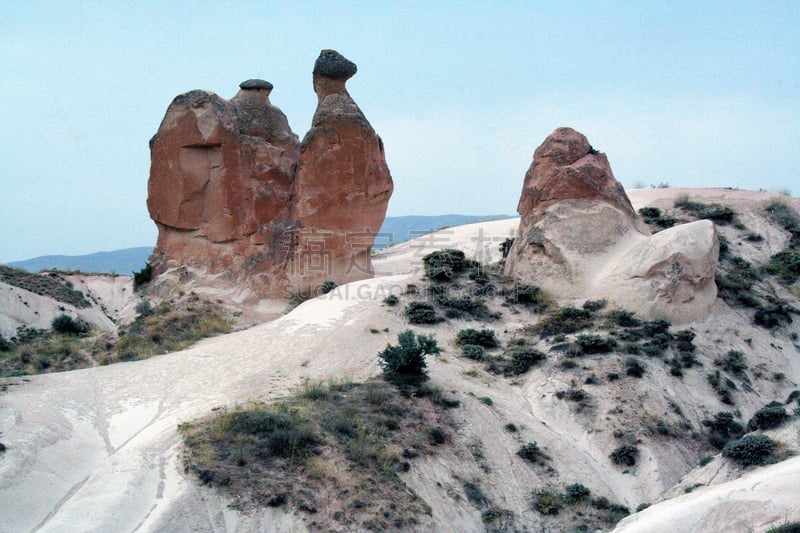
x=241 y=205
x=579 y=237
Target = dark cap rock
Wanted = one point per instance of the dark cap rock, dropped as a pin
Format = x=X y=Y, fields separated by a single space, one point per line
x=332 y=64
x=255 y=85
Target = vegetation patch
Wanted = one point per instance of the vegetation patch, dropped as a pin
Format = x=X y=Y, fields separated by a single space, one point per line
x=484 y=337
x=48 y=283
x=166 y=328
x=332 y=455
x=421 y=313
x=445 y=265
x=722 y=428
x=770 y=416
x=625 y=455
x=562 y=321
x=405 y=363
x=653 y=216
x=721 y=214
x=750 y=450
x=517 y=359
x=785 y=266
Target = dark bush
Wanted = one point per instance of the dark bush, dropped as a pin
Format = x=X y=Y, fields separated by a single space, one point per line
x=634 y=368
x=625 y=455
x=327 y=286
x=521 y=359
x=750 y=450
x=722 y=428
x=145 y=275
x=784 y=215
x=5 y=346
x=421 y=313
x=473 y=351
x=594 y=305
x=505 y=247
x=483 y=337
x=67 y=325
x=654 y=216
x=406 y=363
x=437 y=436
x=592 y=343
x=789 y=527
x=528 y=295
x=562 y=321
x=733 y=362
x=623 y=318
x=547 y=503
x=475 y=307
x=576 y=493
x=531 y=452
x=772 y=316
x=785 y=266
x=770 y=416
x=444 y=265
x=391 y=300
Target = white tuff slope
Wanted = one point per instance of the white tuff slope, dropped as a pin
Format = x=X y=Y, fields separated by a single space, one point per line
x=98 y=449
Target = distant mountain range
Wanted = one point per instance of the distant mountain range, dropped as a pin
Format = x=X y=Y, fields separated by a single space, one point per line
x=394 y=230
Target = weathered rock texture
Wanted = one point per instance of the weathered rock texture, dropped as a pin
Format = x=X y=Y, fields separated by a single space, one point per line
x=579 y=237
x=242 y=205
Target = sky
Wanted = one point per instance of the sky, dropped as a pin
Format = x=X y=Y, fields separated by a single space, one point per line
x=693 y=94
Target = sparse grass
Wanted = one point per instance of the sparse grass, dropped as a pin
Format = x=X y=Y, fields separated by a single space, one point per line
x=45 y=352
x=785 y=266
x=345 y=445
x=721 y=214
x=48 y=283
x=166 y=329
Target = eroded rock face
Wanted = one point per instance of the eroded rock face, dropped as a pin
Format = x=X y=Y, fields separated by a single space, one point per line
x=670 y=275
x=343 y=185
x=241 y=205
x=574 y=214
x=579 y=237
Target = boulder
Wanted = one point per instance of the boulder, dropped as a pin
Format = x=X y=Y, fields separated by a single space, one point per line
x=242 y=205
x=574 y=214
x=668 y=276
x=579 y=237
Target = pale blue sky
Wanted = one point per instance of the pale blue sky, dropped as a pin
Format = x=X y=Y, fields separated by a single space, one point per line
x=690 y=93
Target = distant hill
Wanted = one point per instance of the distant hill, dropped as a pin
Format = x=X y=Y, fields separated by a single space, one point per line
x=394 y=230
x=117 y=261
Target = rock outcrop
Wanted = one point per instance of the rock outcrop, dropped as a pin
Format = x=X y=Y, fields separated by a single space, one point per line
x=579 y=237
x=242 y=206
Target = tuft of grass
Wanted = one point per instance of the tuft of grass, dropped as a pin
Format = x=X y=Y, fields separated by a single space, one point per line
x=346 y=444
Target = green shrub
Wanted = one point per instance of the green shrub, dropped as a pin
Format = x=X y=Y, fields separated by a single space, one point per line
x=391 y=300
x=67 y=325
x=770 y=416
x=576 y=493
x=634 y=368
x=594 y=305
x=521 y=359
x=722 y=428
x=784 y=215
x=750 y=450
x=733 y=362
x=785 y=266
x=405 y=363
x=475 y=307
x=421 y=313
x=547 y=503
x=623 y=318
x=528 y=295
x=625 y=455
x=483 y=337
x=531 y=452
x=562 y=321
x=444 y=265
x=473 y=351
x=789 y=527
x=143 y=276
x=593 y=344
x=327 y=286
x=654 y=217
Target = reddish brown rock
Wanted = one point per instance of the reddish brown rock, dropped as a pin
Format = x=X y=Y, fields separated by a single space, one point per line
x=241 y=206
x=580 y=238
x=566 y=167
x=343 y=184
